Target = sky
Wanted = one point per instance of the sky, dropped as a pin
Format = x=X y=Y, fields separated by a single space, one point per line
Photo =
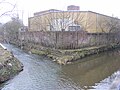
x=26 y=8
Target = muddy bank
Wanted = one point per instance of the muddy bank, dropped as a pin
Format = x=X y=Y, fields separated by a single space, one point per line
x=9 y=65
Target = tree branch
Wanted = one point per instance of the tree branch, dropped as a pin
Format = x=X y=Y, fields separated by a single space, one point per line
x=6 y=13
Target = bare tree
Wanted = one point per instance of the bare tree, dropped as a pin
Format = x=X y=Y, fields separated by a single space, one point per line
x=61 y=20
x=11 y=28
x=109 y=26
x=56 y=20
x=6 y=11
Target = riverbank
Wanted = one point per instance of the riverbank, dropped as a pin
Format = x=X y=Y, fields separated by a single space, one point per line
x=64 y=57
x=47 y=75
x=9 y=65
x=68 y=56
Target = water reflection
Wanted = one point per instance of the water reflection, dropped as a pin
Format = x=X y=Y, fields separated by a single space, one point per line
x=93 y=69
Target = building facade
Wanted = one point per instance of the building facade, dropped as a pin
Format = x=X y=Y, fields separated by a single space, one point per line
x=72 y=20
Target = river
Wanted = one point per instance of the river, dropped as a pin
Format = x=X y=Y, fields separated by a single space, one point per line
x=40 y=73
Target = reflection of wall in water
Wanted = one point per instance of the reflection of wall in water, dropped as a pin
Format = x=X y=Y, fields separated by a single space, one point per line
x=93 y=69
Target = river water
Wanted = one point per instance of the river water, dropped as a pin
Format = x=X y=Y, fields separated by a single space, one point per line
x=40 y=73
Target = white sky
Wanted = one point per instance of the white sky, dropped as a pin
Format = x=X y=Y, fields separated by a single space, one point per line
x=28 y=7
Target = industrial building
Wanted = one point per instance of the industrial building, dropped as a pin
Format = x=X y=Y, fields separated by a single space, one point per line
x=71 y=20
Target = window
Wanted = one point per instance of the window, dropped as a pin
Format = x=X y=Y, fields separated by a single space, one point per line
x=74 y=28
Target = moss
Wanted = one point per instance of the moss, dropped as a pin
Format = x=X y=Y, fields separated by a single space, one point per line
x=47 y=51
x=4 y=54
x=66 y=56
x=54 y=57
x=76 y=56
x=9 y=65
x=9 y=71
x=38 y=52
x=64 y=59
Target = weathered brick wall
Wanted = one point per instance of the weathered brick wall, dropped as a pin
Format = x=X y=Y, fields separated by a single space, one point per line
x=66 y=39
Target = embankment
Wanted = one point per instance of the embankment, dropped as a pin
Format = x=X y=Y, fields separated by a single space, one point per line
x=68 y=56
x=65 y=47
x=9 y=65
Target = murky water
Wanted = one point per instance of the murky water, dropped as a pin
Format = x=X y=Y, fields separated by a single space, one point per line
x=40 y=73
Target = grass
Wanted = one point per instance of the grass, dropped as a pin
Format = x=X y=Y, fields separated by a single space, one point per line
x=38 y=52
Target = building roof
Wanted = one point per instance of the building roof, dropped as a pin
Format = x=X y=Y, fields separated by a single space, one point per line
x=46 y=11
x=55 y=10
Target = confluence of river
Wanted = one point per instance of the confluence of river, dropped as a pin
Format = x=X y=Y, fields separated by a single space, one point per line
x=40 y=73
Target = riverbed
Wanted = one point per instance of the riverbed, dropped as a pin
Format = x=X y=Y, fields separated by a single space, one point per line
x=40 y=73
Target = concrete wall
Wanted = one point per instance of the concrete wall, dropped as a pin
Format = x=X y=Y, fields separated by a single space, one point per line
x=66 y=39
x=1 y=37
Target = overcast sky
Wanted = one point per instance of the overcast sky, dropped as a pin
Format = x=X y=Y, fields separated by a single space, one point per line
x=26 y=8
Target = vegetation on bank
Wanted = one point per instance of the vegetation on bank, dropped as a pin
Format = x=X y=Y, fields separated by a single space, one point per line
x=68 y=56
x=9 y=65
